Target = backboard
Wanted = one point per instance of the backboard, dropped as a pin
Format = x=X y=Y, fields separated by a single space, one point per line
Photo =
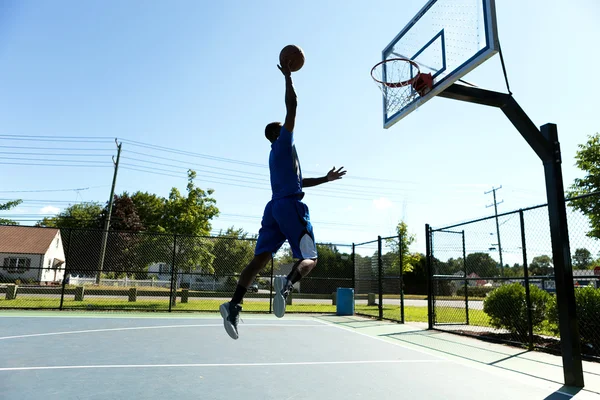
x=447 y=38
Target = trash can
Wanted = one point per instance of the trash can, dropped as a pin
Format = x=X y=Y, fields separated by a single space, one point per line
x=345 y=301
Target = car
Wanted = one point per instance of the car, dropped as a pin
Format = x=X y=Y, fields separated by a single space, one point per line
x=253 y=288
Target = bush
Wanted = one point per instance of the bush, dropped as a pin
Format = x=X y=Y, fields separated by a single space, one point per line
x=507 y=307
x=474 y=291
x=588 y=314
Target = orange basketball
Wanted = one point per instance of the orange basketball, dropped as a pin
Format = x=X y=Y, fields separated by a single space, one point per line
x=292 y=54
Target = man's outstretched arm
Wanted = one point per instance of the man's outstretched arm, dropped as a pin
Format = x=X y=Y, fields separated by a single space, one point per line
x=331 y=176
x=291 y=101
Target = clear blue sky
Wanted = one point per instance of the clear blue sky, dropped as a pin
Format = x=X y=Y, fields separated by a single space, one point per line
x=201 y=77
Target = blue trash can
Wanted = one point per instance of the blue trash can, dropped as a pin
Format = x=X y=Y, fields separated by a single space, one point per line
x=345 y=301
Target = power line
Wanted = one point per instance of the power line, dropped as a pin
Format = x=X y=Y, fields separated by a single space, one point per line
x=50 y=190
x=74 y=140
x=53 y=155
x=56 y=165
x=55 y=148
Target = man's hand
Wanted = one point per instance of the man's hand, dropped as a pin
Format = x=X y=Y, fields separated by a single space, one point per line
x=334 y=175
x=285 y=70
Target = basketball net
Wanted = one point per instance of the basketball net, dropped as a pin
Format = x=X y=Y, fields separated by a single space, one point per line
x=401 y=81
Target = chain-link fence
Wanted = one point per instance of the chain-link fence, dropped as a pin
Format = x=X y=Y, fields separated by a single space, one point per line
x=494 y=278
x=98 y=270
x=378 y=279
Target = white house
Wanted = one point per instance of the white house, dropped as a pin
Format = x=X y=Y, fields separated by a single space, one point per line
x=31 y=254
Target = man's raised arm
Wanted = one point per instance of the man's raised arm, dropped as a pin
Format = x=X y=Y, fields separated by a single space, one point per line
x=291 y=101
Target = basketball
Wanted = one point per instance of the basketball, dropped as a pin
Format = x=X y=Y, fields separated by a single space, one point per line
x=292 y=54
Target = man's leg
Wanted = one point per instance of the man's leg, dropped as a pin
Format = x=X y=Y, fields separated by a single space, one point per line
x=269 y=241
x=294 y=220
x=247 y=276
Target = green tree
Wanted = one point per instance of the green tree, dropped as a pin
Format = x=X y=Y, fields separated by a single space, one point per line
x=541 y=265
x=409 y=260
x=233 y=250
x=588 y=160
x=7 y=206
x=582 y=259
x=80 y=215
x=150 y=208
x=482 y=264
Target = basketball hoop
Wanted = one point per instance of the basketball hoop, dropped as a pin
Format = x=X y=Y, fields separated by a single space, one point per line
x=400 y=81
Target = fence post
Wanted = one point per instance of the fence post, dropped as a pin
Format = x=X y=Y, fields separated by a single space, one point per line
x=173 y=296
x=379 y=277
x=526 y=274
x=271 y=289
x=428 y=259
x=353 y=267
x=64 y=282
x=400 y=247
x=466 y=281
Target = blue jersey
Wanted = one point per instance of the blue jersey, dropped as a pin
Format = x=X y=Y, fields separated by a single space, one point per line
x=286 y=175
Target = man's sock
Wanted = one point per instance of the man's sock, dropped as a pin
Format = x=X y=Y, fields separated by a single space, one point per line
x=294 y=276
x=238 y=295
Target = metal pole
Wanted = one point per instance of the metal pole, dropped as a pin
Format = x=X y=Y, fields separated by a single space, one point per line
x=172 y=296
x=271 y=289
x=353 y=267
x=428 y=259
x=401 y=247
x=62 y=294
x=466 y=281
x=107 y=222
x=379 y=277
x=563 y=270
x=547 y=148
x=526 y=274
x=498 y=229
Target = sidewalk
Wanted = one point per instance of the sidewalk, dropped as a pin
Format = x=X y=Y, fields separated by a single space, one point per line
x=530 y=367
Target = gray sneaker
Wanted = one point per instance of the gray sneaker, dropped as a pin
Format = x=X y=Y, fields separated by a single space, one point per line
x=231 y=317
x=282 y=290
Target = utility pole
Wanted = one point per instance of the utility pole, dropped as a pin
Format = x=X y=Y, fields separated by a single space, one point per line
x=497 y=226
x=108 y=217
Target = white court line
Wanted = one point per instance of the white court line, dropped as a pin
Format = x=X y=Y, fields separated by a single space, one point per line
x=152 y=327
x=268 y=364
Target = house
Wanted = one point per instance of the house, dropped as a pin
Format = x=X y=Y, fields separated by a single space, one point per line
x=31 y=255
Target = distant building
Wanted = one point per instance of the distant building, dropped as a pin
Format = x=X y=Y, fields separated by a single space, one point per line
x=31 y=255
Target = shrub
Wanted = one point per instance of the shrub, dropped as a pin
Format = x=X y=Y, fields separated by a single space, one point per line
x=587 y=301
x=474 y=291
x=507 y=307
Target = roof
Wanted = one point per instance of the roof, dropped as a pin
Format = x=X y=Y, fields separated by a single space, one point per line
x=26 y=239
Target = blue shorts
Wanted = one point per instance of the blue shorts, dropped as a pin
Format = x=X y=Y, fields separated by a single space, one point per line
x=286 y=218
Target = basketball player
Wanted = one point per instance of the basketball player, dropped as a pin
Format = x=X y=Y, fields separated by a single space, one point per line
x=285 y=216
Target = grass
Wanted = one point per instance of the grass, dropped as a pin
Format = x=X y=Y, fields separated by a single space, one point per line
x=411 y=313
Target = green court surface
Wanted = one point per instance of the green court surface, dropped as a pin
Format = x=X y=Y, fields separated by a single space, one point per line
x=99 y=355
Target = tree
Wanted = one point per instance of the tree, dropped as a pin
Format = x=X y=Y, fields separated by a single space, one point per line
x=582 y=259
x=588 y=160
x=150 y=208
x=124 y=214
x=541 y=265
x=409 y=260
x=233 y=250
x=80 y=215
x=127 y=250
x=7 y=206
x=334 y=269
x=482 y=264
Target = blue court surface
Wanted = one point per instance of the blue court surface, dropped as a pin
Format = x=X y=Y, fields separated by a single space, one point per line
x=63 y=355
